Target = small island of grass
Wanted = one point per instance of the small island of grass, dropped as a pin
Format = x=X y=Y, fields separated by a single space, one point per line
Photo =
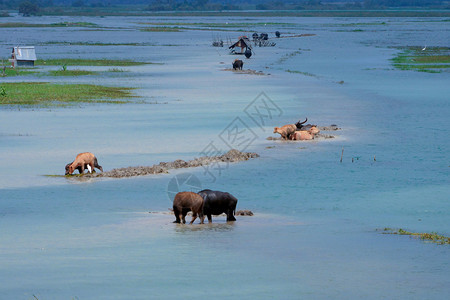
x=89 y=62
x=430 y=237
x=51 y=94
x=423 y=59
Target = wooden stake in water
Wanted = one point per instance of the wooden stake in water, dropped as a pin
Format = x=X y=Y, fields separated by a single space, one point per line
x=342 y=154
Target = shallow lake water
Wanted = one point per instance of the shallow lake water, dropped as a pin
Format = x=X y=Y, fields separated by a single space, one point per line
x=315 y=233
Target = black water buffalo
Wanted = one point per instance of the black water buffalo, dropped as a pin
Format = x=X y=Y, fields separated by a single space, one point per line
x=299 y=124
x=238 y=64
x=216 y=202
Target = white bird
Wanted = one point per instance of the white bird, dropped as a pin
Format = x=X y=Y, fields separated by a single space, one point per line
x=424 y=48
x=89 y=169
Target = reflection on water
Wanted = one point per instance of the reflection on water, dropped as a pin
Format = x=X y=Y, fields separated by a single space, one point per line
x=207 y=227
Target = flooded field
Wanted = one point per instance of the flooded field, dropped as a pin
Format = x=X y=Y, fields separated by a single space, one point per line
x=317 y=227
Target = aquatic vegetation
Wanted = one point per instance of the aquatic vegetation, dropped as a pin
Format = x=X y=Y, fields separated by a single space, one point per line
x=299 y=72
x=431 y=237
x=73 y=24
x=218 y=25
x=94 y=44
x=61 y=24
x=116 y=70
x=423 y=59
x=50 y=94
x=16 y=72
x=71 y=72
x=162 y=29
x=89 y=62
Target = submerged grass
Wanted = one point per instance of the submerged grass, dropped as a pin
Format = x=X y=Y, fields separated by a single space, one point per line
x=50 y=94
x=94 y=44
x=302 y=73
x=430 y=237
x=71 y=73
x=15 y=72
x=61 y=24
x=427 y=59
x=90 y=62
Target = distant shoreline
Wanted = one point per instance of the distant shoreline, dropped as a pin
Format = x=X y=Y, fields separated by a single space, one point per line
x=130 y=11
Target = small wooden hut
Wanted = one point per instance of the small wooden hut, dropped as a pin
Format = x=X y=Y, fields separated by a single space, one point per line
x=243 y=43
x=23 y=57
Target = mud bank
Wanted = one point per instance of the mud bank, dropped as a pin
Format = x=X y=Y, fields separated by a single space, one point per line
x=248 y=71
x=164 y=167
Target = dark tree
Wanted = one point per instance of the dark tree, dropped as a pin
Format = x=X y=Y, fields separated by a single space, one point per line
x=28 y=8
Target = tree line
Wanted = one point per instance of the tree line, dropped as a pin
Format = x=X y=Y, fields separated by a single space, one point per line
x=33 y=7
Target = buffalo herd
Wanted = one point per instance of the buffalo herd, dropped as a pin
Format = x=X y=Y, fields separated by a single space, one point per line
x=205 y=202
x=297 y=131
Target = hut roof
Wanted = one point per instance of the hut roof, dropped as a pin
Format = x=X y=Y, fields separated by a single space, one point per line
x=25 y=53
x=243 y=41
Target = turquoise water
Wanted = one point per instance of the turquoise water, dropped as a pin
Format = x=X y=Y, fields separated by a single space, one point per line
x=314 y=234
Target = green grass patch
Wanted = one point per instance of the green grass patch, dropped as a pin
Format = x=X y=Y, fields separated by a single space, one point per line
x=50 y=94
x=15 y=72
x=426 y=59
x=93 y=44
x=302 y=73
x=73 y=24
x=161 y=29
x=71 y=73
x=183 y=28
x=61 y=24
x=90 y=62
x=217 y=25
x=430 y=237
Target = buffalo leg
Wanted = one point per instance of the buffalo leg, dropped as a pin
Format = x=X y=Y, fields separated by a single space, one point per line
x=177 y=215
x=230 y=216
x=209 y=218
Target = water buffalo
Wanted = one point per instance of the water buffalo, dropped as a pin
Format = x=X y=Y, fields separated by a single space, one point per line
x=185 y=202
x=83 y=160
x=285 y=131
x=238 y=64
x=303 y=135
x=299 y=124
x=277 y=34
x=216 y=202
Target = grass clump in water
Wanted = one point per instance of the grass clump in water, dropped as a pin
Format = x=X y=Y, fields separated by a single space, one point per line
x=15 y=72
x=71 y=73
x=430 y=237
x=50 y=94
x=426 y=59
x=90 y=62
x=162 y=29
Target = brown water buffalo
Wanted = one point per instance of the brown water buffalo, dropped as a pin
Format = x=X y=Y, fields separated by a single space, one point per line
x=185 y=202
x=285 y=131
x=238 y=64
x=82 y=161
x=304 y=135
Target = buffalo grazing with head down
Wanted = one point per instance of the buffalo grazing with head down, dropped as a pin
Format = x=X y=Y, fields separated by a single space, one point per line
x=238 y=64
x=83 y=161
x=185 y=202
